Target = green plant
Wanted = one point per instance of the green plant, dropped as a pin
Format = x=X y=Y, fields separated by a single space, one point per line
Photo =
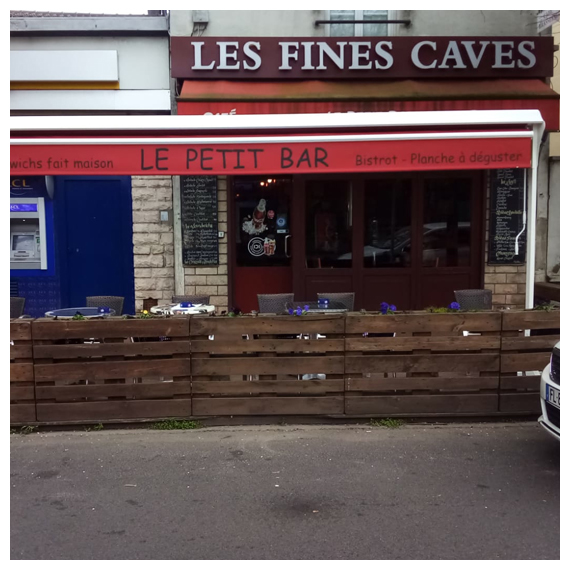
x=98 y=427
x=176 y=424
x=26 y=430
x=387 y=423
x=545 y=307
x=145 y=315
x=78 y=317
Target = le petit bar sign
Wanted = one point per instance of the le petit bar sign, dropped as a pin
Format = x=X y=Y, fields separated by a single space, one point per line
x=271 y=158
x=362 y=58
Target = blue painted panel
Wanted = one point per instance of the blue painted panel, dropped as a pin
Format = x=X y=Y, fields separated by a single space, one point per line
x=42 y=294
x=94 y=220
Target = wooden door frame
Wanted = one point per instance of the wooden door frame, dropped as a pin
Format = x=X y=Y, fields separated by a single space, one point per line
x=358 y=272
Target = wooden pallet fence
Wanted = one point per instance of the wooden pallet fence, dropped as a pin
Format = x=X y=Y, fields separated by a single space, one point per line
x=524 y=357
x=22 y=393
x=112 y=369
x=267 y=365
x=422 y=363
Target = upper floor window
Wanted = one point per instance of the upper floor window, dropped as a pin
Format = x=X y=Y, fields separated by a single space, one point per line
x=358 y=29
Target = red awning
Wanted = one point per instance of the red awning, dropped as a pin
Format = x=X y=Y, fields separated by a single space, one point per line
x=255 y=97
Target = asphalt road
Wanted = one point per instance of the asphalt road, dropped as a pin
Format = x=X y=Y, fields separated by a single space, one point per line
x=463 y=491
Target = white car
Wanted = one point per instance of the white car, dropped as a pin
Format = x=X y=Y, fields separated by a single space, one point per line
x=550 y=395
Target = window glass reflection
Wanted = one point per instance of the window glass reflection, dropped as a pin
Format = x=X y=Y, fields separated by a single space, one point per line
x=387 y=223
x=328 y=224
x=447 y=222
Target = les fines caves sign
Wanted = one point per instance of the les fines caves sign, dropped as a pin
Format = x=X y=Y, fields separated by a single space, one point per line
x=362 y=58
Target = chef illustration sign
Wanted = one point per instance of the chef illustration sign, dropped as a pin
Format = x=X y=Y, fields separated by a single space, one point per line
x=257 y=225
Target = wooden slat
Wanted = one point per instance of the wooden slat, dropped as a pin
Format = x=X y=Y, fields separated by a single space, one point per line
x=260 y=406
x=398 y=405
x=409 y=343
x=423 y=363
x=520 y=383
x=68 y=351
x=22 y=413
x=520 y=403
x=541 y=342
x=524 y=361
x=224 y=326
x=267 y=387
x=240 y=346
x=271 y=365
x=114 y=410
x=424 y=322
x=48 y=329
x=20 y=329
x=20 y=351
x=21 y=392
x=21 y=372
x=140 y=391
x=428 y=383
x=118 y=369
x=524 y=320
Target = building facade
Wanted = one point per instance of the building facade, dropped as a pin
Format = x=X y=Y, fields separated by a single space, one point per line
x=407 y=238
x=94 y=229
x=408 y=235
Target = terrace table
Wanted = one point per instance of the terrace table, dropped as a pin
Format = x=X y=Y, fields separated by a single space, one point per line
x=333 y=307
x=87 y=312
x=182 y=309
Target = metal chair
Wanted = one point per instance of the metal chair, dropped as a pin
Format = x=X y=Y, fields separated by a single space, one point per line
x=474 y=299
x=17 y=307
x=347 y=299
x=194 y=299
x=115 y=303
x=274 y=303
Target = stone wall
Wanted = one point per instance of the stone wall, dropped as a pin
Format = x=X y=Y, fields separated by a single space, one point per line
x=153 y=240
x=213 y=281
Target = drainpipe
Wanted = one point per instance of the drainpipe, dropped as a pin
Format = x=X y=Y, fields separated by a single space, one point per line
x=538 y=131
x=177 y=229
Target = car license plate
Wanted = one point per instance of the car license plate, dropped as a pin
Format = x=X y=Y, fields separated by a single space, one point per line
x=553 y=396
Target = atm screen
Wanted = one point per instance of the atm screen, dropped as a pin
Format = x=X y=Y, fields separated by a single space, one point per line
x=23 y=242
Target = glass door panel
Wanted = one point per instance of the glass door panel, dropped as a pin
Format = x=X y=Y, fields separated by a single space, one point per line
x=328 y=222
x=447 y=222
x=388 y=223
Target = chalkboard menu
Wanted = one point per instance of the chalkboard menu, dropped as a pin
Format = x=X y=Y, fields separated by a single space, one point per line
x=199 y=210
x=507 y=221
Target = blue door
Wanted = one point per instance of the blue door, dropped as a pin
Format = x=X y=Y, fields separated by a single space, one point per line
x=94 y=219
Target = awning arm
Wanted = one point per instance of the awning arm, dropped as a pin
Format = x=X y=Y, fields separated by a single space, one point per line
x=538 y=131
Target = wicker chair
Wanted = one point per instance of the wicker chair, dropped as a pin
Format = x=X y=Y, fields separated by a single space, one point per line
x=347 y=299
x=275 y=303
x=115 y=303
x=17 y=307
x=194 y=299
x=473 y=299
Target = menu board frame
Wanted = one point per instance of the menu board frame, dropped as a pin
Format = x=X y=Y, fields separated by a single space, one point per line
x=199 y=220
x=507 y=216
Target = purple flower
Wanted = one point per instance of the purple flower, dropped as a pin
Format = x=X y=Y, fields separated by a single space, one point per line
x=384 y=308
x=290 y=311
x=393 y=308
x=306 y=307
x=299 y=311
x=455 y=306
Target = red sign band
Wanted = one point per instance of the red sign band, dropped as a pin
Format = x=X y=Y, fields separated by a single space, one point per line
x=271 y=158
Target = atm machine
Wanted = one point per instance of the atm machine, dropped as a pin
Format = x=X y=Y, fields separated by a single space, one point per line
x=28 y=233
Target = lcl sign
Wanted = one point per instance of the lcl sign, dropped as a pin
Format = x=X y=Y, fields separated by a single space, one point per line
x=362 y=58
